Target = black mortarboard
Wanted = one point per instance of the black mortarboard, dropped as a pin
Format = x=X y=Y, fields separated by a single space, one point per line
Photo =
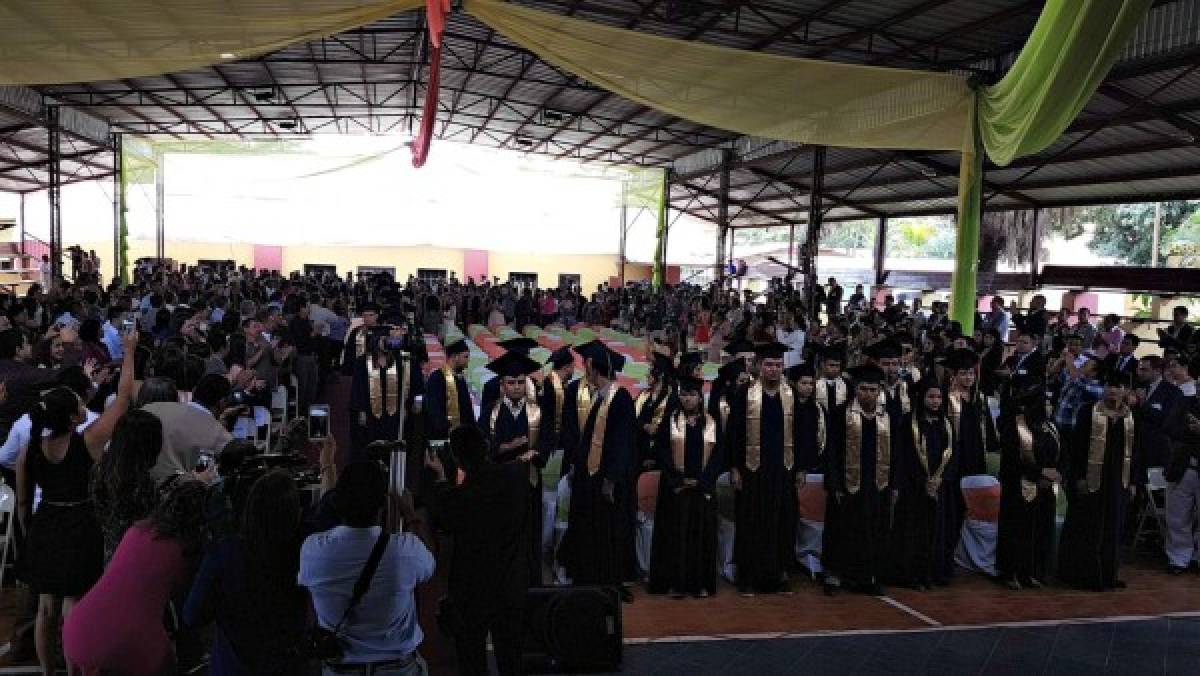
x=561 y=357
x=519 y=344
x=887 y=348
x=689 y=360
x=961 y=359
x=732 y=370
x=457 y=347
x=368 y=307
x=607 y=362
x=690 y=384
x=804 y=369
x=512 y=364
x=739 y=346
x=834 y=352
x=771 y=350
x=868 y=374
x=662 y=365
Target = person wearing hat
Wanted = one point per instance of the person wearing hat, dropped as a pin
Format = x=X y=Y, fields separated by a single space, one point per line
x=577 y=403
x=762 y=447
x=651 y=408
x=831 y=386
x=491 y=389
x=512 y=427
x=447 y=395
x=861 y=488
x=1030 y=454
x=685 y=516
x=810 y=420
x=970 y=415
x=356 y=338
x=927 y=513
x=597 y=547
x=384 y=381
x=729 y=378
x=1096 y=475
x=552 y=399
x=691 y=365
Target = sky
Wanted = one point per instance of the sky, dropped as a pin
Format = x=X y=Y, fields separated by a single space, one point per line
x=360 y=190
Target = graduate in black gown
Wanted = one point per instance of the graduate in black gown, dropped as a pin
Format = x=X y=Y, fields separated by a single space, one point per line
x=595 y=548
x=898 y=388
x=652 y=407
x=811 y=422
x=860 y=485
x=442 y=411
x=553 y=397
x=577 y=402
x=1030 y=450
x=730 y=377
x=974 y=430
x=385 y=381
x=356 y=338
x=832 y=389
x=491 y=389
x=1096 y=468
x=513 y=431
x=763 y=445
x=927 y=514
x=684 y=550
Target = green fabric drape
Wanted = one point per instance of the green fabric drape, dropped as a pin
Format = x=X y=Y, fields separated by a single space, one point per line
x=660 y=249
x=1066 y=57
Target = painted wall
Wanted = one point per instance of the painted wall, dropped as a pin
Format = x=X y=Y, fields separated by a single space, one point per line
x=592 y=269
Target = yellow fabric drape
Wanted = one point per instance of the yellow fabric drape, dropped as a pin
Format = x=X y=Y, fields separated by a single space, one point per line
x=805 y=100
x=60 y=41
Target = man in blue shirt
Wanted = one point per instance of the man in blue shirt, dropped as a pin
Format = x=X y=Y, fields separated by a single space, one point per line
x=380 y=635
x=1080 y=386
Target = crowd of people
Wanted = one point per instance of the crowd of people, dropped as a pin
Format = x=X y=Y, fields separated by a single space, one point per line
x=136 y=418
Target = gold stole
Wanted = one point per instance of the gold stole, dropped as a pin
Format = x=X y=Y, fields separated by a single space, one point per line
x=533 y=421
x=360 y=342
x=821 y=392
x=453 y=415
x=596 y=450
x=921 y=442
x=679 y=440
x=1025 y=444
x=754 y=402
x=583 y=403
x=883 y=449
x=723 y=409
x=955 y=407
x=901 y=393
x=375 y=382
x=556 y=386
x=1099 y=440
x=644 y=398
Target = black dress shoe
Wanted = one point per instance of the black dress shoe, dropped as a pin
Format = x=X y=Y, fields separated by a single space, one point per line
x=873 y=589
x=745 y=590
x=1012 y=584
x=1033 y=583
x=830 y=588
x=626 y=594
x=1176 y=570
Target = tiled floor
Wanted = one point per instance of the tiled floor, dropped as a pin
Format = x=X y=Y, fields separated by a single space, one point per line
x=1158 y=646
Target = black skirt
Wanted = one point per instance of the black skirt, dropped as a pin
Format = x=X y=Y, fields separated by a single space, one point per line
x=65 y=549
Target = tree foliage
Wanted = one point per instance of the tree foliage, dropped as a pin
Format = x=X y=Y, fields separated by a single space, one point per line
x=1124 y=231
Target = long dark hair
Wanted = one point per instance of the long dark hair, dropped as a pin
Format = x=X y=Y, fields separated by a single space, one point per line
x=181 y=515
x=121 y=485
x=54 y=413
x=270 y=529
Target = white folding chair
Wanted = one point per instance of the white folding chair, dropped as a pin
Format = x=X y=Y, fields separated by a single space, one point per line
x=1154 y=506
x=279 y=409
x=8 y=513
x=293 y=390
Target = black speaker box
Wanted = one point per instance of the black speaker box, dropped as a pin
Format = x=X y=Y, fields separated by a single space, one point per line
x=572 y=629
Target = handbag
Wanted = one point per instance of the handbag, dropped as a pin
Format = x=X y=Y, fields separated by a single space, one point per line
x=325 y=644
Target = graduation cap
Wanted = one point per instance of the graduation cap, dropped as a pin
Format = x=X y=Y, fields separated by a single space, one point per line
x=867 y=374
x=961 y=359
x=662 y=365
x=519 y=344
x=729 y=372
x=887 y=348
x=804 y=369
x=691 y=384
x=561 y=357
x=368 y=307
x=738 y=346
x=457 y=347
x=604 y=360
x=771 y=350
x=690 y=360
x=512 y=364
x=834 y=352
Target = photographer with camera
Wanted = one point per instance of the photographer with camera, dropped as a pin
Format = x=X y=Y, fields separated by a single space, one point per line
x=200 y=425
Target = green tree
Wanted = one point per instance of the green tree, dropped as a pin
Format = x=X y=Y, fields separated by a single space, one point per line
x=1123 y=231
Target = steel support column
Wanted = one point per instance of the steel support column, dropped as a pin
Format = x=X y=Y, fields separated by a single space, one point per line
x=118 y=201
x=624 y=233
x=54 y=162
x=1035 y=248
x=21 y=215
x=722 y=220
x=880 y=250
x=160 y=198
x=812 y=236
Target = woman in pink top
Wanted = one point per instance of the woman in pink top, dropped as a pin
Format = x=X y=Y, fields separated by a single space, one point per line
x=117 y=627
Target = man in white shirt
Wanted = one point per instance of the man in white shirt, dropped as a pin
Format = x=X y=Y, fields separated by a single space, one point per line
x=111 y=332
x=793 y=337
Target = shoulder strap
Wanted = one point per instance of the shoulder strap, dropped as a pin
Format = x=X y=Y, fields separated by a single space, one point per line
x=364 y=578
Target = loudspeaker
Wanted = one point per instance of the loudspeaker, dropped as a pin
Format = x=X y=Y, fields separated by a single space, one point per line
x=572 y=629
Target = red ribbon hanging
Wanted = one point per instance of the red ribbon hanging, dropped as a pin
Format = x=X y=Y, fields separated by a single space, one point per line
x=435 y=16
x=420 y=144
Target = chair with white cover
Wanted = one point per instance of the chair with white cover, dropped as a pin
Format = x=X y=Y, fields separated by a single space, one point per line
x=8 y=514
x=810 y=522
x=977 y=545
x=1153 y=509
x=279 y=407
x=647 y=501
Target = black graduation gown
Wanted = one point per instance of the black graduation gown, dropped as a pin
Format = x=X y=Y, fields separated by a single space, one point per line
x=551 y=424
x=487 y=517
x=855 y=540
x=569 y=430
x=810 y=452
x=1088 y=555
x=508 y=428
x=350 y=350
x=1025 y=537
x=595 y=547
x=648 y=451
x=683 y=553
x=438 y=424
x=490 y=394
x=974 y=444
x=764 y=546
x=385 y=427
x=927 y=528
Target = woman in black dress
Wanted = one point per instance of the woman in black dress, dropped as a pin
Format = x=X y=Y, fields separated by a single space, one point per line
x=64 y=550
x=684 y=550
x=927 y=512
